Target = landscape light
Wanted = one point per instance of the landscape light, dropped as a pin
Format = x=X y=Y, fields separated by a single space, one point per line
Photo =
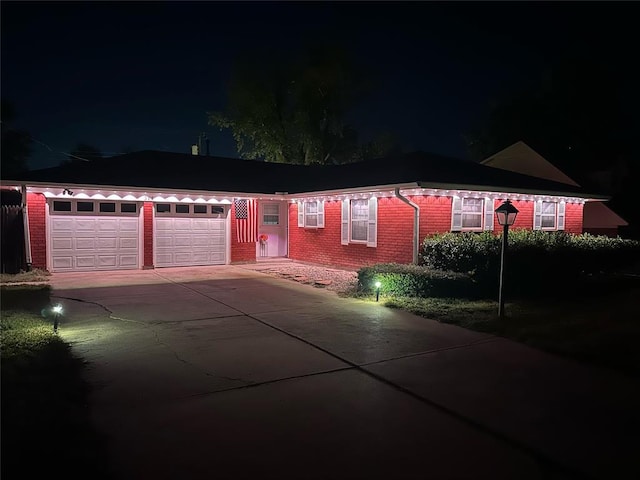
x=378 y=285
x=57 y=310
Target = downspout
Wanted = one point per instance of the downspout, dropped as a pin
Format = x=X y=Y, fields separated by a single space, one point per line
x=416 y=224
x=25 y=224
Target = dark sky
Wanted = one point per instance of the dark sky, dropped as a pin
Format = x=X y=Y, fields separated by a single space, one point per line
x=144 y=74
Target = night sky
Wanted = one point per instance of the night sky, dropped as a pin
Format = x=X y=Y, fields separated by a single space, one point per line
x=142 y=75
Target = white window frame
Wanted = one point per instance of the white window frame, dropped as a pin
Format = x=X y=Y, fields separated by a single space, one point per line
x=486 y=214
x=277 y=214
x=558 y=215
x=303 y=216
x=553 y=216
x=346 y=236
x=96 y=207
x=364 y=220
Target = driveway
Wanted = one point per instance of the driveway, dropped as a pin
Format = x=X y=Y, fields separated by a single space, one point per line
x=225 y=372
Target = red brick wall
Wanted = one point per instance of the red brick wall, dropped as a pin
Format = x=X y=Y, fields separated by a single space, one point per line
x=240 y=252
x=524 y=220
x=36 y=205
x=573 y=218
x=147 y=244
x=395 y=233
x=395 y=230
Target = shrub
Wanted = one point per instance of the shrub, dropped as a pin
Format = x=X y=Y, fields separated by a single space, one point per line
x=416 y=281
x=536 y=259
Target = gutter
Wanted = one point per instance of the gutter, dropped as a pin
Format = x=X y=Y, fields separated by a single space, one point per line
x=25 y=223
x=416 y=223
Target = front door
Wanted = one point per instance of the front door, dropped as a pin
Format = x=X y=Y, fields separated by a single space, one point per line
x=272 y=239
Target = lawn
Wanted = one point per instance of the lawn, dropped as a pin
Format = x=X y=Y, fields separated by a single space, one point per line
x=46 y=426
x=598 y=323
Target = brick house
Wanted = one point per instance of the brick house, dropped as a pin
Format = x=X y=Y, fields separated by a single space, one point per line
x=154 y=209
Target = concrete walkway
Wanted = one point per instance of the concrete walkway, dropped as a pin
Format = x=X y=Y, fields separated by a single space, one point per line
x=224 y=372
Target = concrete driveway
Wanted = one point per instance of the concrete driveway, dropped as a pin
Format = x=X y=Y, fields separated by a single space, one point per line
x=224 y=372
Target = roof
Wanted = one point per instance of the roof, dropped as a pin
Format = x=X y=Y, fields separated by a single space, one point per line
x=521 y=158
x=177 y=171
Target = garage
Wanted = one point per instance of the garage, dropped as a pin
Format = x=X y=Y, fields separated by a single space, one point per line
x=190 y=234
x=93 y=235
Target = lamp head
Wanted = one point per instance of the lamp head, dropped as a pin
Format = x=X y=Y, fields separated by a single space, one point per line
x=506 y=213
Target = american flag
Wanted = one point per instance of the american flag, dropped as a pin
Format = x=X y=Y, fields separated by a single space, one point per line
x=246 y=220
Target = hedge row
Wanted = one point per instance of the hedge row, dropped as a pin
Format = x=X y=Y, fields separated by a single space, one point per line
x=468 y=264
x=415 y=281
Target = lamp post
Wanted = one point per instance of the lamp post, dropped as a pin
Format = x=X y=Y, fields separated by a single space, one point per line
x=506 y=214
x=378 y=285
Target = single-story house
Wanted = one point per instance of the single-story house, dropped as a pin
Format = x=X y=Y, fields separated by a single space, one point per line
x=597 y=218
x=154 y=209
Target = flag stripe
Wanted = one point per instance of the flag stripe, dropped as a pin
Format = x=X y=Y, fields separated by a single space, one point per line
x=246 y=213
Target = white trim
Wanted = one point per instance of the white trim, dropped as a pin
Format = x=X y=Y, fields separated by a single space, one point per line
x=372 y=224
x=489 y=213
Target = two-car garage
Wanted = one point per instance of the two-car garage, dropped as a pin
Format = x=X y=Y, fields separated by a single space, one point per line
x=103 y=234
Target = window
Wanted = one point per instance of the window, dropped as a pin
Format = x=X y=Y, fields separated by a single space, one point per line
x=61 y=206
x=360 y=221
x=163 y=207
x=471 y=214
x=199 y=209
x=84 y=207
x=107 y=207
x=128 y=208
x=311 y=214
x=217 y=210
x=548 y=215
x=271 y=214
x=182 y=208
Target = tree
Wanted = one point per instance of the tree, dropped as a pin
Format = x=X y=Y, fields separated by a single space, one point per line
x=294 y=111
x=574 y=115
x=16 y=144
x=83 y=152
x=579 y=117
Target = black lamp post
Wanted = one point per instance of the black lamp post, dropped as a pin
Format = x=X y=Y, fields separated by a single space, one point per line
x=507 y=214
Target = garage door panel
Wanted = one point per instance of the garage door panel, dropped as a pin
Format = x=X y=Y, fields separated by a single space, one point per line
x=63 y=263
x=190 y=241
x=182 y=241
x=62 y=244
x=108 y=243
x=85 y=243
x=88 y=261
x=61 y=224
x=94 y=242
x=107 y=261
x=128 y=243
x=129 y=261
x=85 y=225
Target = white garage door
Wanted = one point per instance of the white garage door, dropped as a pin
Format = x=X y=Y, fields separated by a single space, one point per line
x=80 y=241
x=189 y=239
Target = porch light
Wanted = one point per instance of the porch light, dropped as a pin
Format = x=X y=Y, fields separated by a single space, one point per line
x=506 y=214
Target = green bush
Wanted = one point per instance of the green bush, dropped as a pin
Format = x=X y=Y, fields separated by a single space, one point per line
x=415 y=281
x=536 y=259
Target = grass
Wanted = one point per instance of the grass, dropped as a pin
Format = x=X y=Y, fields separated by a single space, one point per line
x=46 y=426
x=598 y=323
